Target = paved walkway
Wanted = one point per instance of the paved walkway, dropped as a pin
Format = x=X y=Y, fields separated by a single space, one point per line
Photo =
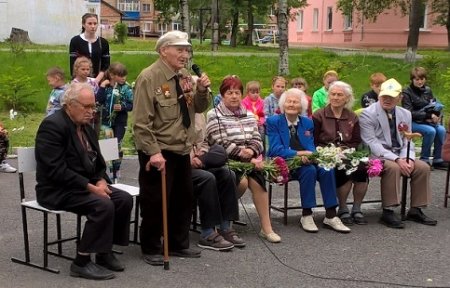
x=370 y=256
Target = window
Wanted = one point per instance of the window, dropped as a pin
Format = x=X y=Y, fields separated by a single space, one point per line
x=329 y=18
x=148 y=26
x=128 y=5
x=424 y=18
x=300 y=21
x=162 y=28
x=316 y=19
x=348 y=21
x=146 y=8
x=176 y=26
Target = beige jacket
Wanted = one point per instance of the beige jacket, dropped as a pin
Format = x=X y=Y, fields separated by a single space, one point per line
x=157 y=116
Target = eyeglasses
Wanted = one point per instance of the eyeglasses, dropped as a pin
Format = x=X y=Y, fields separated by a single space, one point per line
x=86 y=106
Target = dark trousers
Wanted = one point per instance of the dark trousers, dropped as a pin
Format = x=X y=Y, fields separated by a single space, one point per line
x=179 y=201
x=215 y=190
x=108 y=220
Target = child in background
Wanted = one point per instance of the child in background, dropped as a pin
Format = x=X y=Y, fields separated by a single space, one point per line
x=116 y=97
x=376 y=79
x=300 y=83
x=271 y=101
x=253 y=103
x=320 y=96
x=81 y=70
x=56 y=80
x=4 y=145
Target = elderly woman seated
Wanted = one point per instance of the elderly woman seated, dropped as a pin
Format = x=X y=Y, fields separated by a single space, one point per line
x=236 y=129
x=290 y=135
x=338 y=124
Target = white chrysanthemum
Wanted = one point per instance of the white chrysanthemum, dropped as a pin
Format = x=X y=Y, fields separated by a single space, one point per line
x=364 y=159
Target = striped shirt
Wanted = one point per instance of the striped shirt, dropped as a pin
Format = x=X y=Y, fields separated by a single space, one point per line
x=234 y=131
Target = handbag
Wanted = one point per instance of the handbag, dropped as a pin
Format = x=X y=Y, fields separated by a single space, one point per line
x=216 y=157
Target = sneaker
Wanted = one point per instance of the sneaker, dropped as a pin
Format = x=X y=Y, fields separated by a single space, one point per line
x=215 y=242
x=307 y=223
x=6 y=168
x=232 y=236
x=272 y=237
x=335 y=224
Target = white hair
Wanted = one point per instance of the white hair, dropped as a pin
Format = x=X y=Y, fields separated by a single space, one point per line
x=73 y=92
x=348 y=91
x=299 y=94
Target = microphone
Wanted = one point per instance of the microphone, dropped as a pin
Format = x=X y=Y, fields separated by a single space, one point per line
x=198 y=72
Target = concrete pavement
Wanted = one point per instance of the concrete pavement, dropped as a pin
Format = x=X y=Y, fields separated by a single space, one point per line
x=370 y=256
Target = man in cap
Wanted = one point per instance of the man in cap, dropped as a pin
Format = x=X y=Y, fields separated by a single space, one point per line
x=165 y=103
x=382 y=126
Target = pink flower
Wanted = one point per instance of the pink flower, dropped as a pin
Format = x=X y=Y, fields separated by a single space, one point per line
x=374 y=167
x=278 y=111
x=282 y=170
x=403 y=127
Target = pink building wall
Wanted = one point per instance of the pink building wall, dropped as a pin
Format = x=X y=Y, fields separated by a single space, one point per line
x=390 y=30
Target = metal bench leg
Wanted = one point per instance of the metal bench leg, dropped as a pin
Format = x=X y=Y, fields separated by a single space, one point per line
x=58 y=233
x=403 y=201
x=286 y=196
x=446 y=187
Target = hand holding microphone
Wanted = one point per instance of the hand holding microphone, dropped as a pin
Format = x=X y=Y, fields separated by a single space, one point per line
x=203 y=81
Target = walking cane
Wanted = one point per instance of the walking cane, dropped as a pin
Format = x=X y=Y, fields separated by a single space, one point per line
x=409 y=136
x=164 y=212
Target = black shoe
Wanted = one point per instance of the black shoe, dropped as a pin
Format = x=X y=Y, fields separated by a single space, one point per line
x=109 y=261
x=418 y=216
x=359 y=219
x=186 y=253
x=440 y=165
x=153 y=259
x=389 y=219
x=91 y=271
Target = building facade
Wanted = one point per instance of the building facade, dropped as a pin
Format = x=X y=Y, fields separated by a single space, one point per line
x=47 y=22
x=320 y=24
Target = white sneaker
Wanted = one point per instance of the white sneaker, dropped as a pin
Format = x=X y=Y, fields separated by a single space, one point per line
x=6 y=168
x=307 y=223
x=335 y=224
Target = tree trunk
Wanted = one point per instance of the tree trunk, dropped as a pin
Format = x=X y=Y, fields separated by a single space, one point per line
x=215 y=25
x=250 y=21
x=414 y=29
x=234 y=25
x=282 y=19
x=185 y=25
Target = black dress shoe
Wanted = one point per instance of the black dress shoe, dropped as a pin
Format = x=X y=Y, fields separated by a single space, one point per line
x=153 y=259
x=186 y=253
x=389 y=219
x=440 y=165
x=109 y=261
x=418 y=216
x=90 y=271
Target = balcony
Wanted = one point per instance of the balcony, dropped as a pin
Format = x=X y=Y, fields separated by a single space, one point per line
x=129 y=6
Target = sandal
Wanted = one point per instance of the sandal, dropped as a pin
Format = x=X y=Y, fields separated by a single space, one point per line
x=358 y=218
x=346 y=218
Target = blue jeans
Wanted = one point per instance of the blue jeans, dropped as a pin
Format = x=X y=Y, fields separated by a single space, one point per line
x=307 y=176
x=431 y=133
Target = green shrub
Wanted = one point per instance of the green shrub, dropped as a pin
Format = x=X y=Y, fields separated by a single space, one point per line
x=15 y=89
x=120 y=32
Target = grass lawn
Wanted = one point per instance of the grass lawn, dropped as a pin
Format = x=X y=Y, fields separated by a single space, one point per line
x=310 y=64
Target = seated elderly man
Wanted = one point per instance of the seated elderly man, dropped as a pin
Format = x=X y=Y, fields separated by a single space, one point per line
x=382 y=125
x=70 y=176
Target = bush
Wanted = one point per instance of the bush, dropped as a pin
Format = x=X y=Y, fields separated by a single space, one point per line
x=120 y=33
x=15 y=88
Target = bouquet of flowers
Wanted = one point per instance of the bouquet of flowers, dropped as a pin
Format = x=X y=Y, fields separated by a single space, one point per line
x=275 y=170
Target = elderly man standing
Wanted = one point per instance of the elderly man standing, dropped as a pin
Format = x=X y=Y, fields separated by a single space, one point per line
x=70 y=176
x=382 y=124
x=164 y=134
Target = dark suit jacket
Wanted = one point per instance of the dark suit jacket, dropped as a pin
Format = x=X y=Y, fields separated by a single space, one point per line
x=279 y=139
x=63 y=166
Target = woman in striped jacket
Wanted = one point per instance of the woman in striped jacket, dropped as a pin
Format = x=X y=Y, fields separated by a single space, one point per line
x=236 y=129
